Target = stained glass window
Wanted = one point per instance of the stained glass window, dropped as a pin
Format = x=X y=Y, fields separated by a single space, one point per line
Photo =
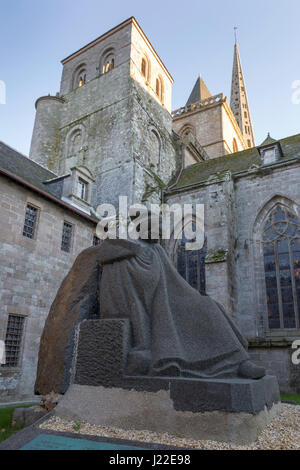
x=281 y=247
x=191 y=265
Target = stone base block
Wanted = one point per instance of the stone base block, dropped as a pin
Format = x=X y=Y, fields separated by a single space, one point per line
x=155 y=411
x=232 y=409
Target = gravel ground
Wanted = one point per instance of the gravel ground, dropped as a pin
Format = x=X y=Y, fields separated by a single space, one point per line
x=282 y=433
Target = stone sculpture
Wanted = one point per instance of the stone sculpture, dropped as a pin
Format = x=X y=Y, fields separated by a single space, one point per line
x=176 y=331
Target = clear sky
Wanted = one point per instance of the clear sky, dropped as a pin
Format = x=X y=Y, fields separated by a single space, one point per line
x=191 y=37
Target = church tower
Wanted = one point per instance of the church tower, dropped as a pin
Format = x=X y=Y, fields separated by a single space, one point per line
x=239 y=101
x=111 y=121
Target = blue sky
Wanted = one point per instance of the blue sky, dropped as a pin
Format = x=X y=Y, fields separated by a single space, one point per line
x=190 y=36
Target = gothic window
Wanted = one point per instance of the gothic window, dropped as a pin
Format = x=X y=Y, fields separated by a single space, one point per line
x=249 y=143
x=281 y=249
x=234 y=146
x=107 y=61
x=191 y=265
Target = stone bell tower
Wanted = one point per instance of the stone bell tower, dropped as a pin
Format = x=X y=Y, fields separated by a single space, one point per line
x=112 y=117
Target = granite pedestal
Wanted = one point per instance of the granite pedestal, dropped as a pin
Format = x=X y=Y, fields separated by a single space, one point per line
x=231 y=409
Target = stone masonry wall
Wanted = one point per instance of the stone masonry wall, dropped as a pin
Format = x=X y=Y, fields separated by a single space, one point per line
x=217 y=200
x=31 y=272
x=256 y=194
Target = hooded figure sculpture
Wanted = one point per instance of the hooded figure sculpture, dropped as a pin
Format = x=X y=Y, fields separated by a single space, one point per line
x=176 y=331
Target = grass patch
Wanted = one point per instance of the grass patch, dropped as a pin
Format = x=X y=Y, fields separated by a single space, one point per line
x=294 y=398
x=6 y=414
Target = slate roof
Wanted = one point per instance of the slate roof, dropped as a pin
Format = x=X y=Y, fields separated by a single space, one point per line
x=268 y=141
x=24 y=168
x=31 y=173
x=199 y=92
x=235 y=163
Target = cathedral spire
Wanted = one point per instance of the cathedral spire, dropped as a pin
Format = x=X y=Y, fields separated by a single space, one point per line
x=239 y=101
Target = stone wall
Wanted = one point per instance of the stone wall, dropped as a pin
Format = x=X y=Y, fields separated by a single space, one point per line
x=31 y=272
x=114 y=114
x=219 y=229
x=213 y=125
x=277 y=361
x=256 y=194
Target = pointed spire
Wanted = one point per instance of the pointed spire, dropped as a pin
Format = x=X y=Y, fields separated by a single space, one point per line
x=199 y=92
x=239 y=101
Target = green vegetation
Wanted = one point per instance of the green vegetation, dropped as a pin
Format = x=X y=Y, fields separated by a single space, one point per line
x=215 y=256
x=77 y=425
x=6 y=414
x=291 y=398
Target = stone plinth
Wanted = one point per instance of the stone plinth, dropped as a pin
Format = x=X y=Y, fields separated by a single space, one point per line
x=159 y=412
x=233 y=409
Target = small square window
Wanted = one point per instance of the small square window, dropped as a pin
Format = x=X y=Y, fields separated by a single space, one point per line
x=13 y=340
x=66 y=237
x=269 y=156
x=30 y=221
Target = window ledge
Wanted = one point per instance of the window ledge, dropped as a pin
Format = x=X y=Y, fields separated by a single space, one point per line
x=284 y=341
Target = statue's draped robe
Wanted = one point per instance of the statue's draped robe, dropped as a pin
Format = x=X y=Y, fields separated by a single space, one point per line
x=173 y=325
x=176 y=331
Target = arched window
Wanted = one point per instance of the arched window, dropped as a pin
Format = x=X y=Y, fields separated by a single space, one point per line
x=144 y=68
x=82 y=79
x=191 y=265
x=75 y=142
x=79 y=77
x=159 y=88
x=155 y=148
x=186 y=130
x=281 y=250
x=107 y=61
x=234 y=146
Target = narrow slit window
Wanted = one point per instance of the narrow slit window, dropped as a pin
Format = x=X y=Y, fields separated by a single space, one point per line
x=143 y=67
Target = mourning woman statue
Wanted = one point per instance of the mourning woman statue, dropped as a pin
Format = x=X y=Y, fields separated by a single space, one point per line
x=176 y=331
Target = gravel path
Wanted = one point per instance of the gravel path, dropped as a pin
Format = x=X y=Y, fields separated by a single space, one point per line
x=283 y=432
